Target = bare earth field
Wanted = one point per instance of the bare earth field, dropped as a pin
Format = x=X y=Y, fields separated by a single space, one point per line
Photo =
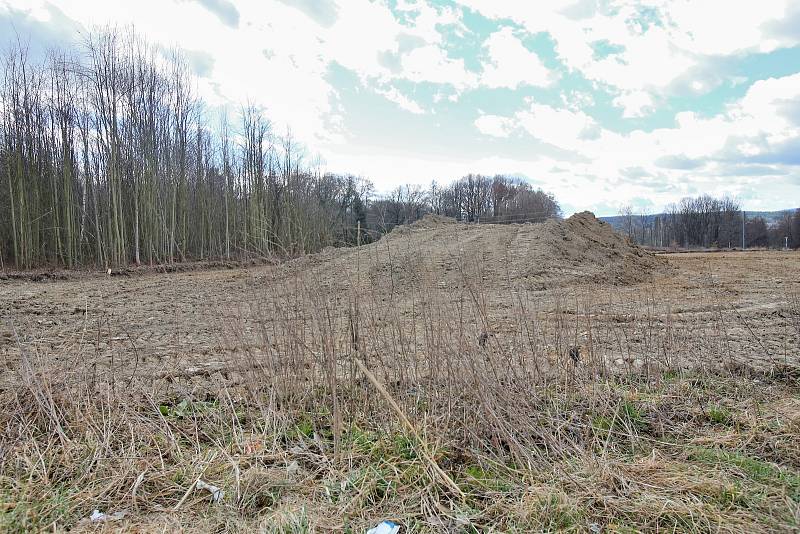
x=518 y=378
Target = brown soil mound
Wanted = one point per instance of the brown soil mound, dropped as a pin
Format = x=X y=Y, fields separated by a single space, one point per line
x=432 y=221
x=583 y=248
x=449 y=254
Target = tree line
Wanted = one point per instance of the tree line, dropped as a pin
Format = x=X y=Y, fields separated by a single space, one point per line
x=108 y=156
x=708 y=222
x=473 y=198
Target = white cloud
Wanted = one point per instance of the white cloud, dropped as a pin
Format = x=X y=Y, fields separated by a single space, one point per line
x=745 y=25
x=659 y=41
x=695 y=155
x=577 y=100
x=560 y=127
x=511 y=64
x=495 y=125
x=428 y=18
x=649 y=60
x=36 y=10
x=401 y=100
x=634 y=103
x=431 y=64
x=365 y=31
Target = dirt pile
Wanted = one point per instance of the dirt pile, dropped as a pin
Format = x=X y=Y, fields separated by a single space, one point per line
x=430 y=221
x=584 y=249
x=440 y=252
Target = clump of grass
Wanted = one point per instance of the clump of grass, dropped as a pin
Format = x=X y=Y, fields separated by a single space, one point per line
x=187 y=407
x=631 y=415
x=25 y=509
x=719 y=415
x=752 y=470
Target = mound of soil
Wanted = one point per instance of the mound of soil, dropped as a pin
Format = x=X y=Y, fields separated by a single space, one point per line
x=441 y=252
x=431 y=220
x=584 y=248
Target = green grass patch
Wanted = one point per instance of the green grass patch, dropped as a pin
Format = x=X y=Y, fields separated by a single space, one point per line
x=671 y=375
x=719 y=415
x=602 y=424
x=628 y=415
x=481 y=479
x=35 y=508
x=752 y=468
x=187 y=407
x=630 y=412
x=735 y=496
x=554 y=513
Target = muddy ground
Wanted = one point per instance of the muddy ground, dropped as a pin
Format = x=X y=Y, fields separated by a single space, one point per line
x=179 y=322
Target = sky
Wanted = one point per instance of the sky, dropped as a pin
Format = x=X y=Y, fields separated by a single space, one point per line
x=603 y=103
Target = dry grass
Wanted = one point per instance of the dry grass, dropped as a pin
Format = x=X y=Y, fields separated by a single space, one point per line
x=573 y=410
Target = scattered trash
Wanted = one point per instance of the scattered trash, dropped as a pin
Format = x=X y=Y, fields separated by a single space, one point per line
x=595 y=528
x=386 y=527
x=216 y=493
x=98 y=516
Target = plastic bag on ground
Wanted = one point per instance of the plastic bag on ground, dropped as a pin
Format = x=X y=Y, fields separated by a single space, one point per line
x=386 y=527
x=216 y=493
x=98 y=516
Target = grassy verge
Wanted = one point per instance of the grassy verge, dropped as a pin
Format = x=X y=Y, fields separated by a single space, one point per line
x=652 y=459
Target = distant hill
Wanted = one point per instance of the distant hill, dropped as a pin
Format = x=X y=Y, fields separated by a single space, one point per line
x=769 y=216
x=618 y=221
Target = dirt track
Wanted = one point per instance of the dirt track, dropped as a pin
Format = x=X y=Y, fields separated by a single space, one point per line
x=179 y=322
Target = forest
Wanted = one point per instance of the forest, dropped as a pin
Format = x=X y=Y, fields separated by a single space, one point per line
x=708 y=222
x=110 y=157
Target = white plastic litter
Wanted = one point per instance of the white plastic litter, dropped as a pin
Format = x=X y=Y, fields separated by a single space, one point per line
x=386 y=527
x=216 y=493
x=98 y=516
